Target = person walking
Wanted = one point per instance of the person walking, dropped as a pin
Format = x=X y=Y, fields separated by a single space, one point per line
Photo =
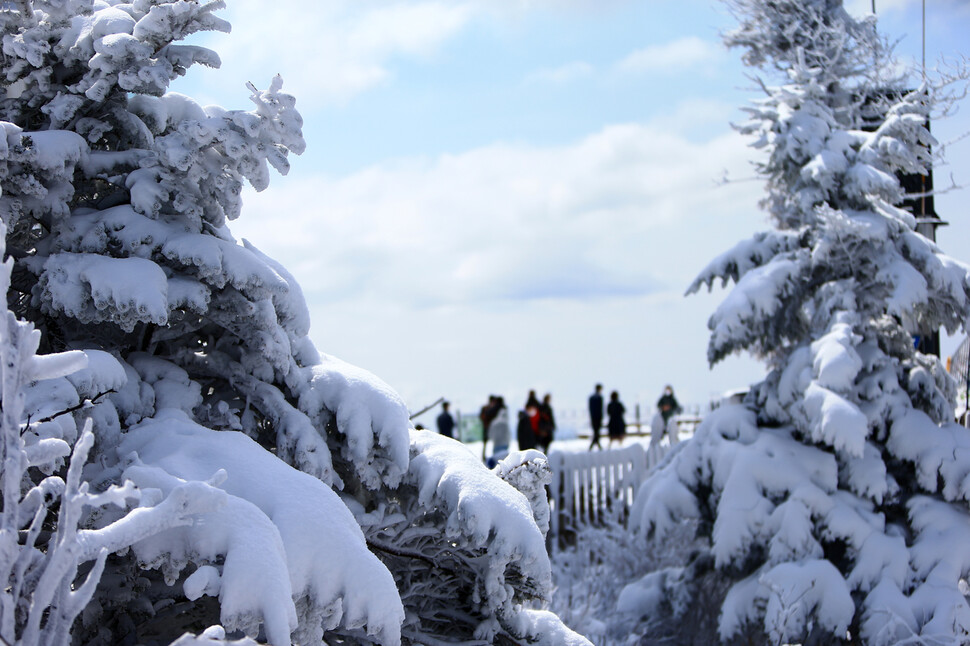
x=616 y=425
x=486 y=415
x=446 y=423
x=547 y=424
x=596 y=416
x=524 y=435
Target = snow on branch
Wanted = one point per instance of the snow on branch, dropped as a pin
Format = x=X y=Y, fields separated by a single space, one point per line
x=367 y=412
x=313 y=586
x=745 y=256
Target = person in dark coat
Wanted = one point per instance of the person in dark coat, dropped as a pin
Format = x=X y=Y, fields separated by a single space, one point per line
x=668 y=405
x=616 y=424
x=486 y=415
x=446 y=423
x=596 y=415
x=532 y=401
x=524 y=434
x=547 y=424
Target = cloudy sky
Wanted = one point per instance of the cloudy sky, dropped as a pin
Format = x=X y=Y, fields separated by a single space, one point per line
x=500 y=195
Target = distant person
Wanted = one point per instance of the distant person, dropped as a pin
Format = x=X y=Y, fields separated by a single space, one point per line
x=667 y=407
x=596 y=416
x=532 y=410
x=500 y=433
x=524 y=433
x=616 y=425
x=486 y=415
x=532 y=401
x=546 y=429
x=446 y=423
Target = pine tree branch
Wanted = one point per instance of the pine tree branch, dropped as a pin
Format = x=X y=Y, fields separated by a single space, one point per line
x=402 y=553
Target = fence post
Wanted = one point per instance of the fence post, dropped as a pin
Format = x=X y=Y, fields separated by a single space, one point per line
x=555 y=492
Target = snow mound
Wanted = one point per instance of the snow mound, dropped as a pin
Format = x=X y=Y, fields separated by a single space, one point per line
x=302 y=520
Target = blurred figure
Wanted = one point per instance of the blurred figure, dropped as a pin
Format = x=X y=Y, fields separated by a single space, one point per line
x=547 y=424
x=616 y=425
x=532 y=412
x=532 y=401
x=668 y=405
x=596 y=415
x=663 y=422
x=486 y=415
x=446 y=423
x=524 y=433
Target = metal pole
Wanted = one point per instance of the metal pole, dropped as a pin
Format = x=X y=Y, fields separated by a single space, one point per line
x=966 y=390
x=924 y=41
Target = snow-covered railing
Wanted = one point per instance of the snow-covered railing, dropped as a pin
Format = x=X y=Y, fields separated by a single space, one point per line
x=593 y=487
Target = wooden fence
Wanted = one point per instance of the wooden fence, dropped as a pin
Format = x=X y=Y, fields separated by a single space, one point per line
x=591 y=488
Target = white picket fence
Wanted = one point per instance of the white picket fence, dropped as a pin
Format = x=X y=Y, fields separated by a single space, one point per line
x=590 y=488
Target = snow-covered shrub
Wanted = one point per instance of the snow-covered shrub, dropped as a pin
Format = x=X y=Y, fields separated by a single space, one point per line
x=529 y=472
x=117 y=196
x=832 y=501
x=591 y=593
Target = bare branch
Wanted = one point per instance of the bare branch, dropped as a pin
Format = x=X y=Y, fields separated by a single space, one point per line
x=84 y=404
x=407 y=554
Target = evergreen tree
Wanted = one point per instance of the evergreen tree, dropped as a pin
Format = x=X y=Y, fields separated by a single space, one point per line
x=829 y=506
x=335 y=520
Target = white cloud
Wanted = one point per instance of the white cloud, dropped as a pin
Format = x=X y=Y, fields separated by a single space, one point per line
x=674 y=56
x=611 y=215
x=330 y=51
x=693 y=114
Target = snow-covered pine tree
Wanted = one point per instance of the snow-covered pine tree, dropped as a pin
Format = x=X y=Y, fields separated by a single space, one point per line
x=832 y=506
x=116 y=196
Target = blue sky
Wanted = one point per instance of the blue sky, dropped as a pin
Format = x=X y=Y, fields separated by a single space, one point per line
x=500 y=195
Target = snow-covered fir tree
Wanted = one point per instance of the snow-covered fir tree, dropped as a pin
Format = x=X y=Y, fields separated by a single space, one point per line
x=832 y=506
x=301 y=505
